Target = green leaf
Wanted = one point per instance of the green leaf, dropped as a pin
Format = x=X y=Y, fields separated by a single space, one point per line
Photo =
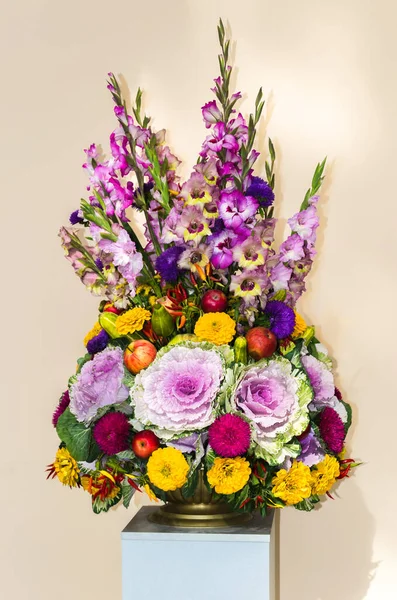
x=190 y=486
x=77 y=437
x=127 y=491
x=99 y=505
x=126 y=455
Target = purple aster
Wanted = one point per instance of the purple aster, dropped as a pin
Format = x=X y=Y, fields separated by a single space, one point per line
x=112 y=433
x=229 y=436
x=282 y=318
x=311 y=450
x=60 y=409
x=332 y=429
x=262 y=191
x=235 y=208
x=75 y=218
x=98 y=343
x=167 y=263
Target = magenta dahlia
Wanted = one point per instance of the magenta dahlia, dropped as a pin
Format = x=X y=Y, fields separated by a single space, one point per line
x=229 y=436
x=112 y=433
x=62 y=406
x=332 y=429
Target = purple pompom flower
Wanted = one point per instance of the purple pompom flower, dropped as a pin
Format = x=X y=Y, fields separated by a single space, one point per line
x=60 y=409
x=98 y=343
x=229 y=436
x=262 y=191
x=332 y=429
x=112 y=432
x=167 y=263
x=282 y=318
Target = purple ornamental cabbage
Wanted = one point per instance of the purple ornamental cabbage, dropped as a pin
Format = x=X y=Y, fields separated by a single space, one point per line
x=176 y=393
x=99 y=383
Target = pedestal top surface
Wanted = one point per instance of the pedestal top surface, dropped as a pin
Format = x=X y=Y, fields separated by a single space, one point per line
x=139 y=528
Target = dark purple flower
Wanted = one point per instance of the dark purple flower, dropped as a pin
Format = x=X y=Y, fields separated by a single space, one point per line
x=282 y=318
x=229 y=436
x=332 y=429
x=112 y=432
x=99 y=264
x=75 y=218
x=98 y=343
x=218 y=226
x=262 y=191
x=60 y=409
x=167 y=263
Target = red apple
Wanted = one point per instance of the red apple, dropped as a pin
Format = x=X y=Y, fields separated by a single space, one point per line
x=261 y=342
x=214 y=301
x=144 y=443
x=138 y=355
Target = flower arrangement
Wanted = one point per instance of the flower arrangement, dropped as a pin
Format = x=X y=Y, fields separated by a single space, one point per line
x=199 y=360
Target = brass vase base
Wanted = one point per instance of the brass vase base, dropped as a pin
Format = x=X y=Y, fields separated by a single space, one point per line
x=198 y=515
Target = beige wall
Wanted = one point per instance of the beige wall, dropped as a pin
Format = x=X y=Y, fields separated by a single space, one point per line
x=329 y=70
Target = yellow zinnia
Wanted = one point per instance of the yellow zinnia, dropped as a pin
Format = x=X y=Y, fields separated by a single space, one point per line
x=325 y=474
x=229 y=475
x=93 y=333
x=132 y=320
x=300 y=326
x=66 y=468
x=217 y=328
x=294 y=485
x=167 y=469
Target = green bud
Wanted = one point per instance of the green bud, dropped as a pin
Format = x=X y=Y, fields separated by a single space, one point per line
x=240 y=350
x=107 y=321
x=162 y=322
x=308 y=335
x=280 y=295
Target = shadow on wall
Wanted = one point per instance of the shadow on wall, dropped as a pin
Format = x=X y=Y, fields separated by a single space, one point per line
x=310 y=569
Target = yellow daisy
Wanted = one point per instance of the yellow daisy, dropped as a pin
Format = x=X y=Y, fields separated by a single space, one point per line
x=132 y=320
x=217 y=328
x=167 y=469
x=325 y=474
x=300 y=326
x=294 y=485
x=66 y=468
x=229 y=475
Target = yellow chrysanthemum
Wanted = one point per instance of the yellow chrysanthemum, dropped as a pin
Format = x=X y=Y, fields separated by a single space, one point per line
x=325 y=474
x=132 y=320
x=217 y=328
x=66 y=468
x=93 y=333
x=300 y=326
x=150 y=492
x=167 y=469
x=294 y=485
x=229 y=475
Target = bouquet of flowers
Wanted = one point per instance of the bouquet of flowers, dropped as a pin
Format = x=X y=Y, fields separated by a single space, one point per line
x=198 y=361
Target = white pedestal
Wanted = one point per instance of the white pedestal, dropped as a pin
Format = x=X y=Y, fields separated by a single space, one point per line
x=234 y=563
